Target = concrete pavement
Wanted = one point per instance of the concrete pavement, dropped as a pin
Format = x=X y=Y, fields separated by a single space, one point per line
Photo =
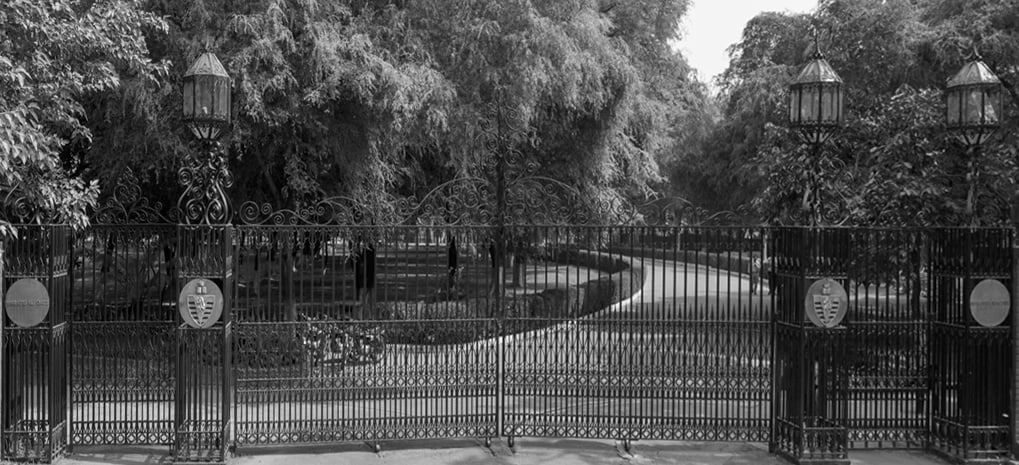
x=528 y=452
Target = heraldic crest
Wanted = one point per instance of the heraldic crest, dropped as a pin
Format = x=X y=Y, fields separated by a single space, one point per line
x=201 y=303
x=826 y=303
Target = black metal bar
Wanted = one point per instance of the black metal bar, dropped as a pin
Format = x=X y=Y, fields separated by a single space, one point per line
x=377 y=333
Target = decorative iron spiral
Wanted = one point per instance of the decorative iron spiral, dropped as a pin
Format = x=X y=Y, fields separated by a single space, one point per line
x=205 y=179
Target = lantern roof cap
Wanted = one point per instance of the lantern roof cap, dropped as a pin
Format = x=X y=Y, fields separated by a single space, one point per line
x=817 y=70
x=975 y=72
x=207 y=64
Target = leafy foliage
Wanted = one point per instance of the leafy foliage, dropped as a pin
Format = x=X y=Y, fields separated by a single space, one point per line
x=54 y=55
x=893 y=163
x=377 y=100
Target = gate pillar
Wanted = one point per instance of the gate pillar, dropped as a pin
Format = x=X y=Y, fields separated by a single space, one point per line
x=971 y=357
x=809 y=408
x=33 y=336
x=202 y=422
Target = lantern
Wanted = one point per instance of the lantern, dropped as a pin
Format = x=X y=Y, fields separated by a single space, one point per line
x=815 y=101
x=207 y=102
x=974 y=102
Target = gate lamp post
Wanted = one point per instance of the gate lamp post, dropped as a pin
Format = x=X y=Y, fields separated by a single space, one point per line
x=206 y=110
x=204 y=175
x=810 y=379
x=973 y=101
x=974 y=105
x=816 y=110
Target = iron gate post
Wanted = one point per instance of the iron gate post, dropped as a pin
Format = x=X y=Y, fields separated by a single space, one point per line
x=202 y=420
x=1013 y=307
x=499 y=276
x=972 y=356
x=811 y=380
x=1014 y=339
x=34 y=348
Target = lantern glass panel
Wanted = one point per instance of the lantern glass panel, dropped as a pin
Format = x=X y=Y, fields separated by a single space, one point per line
x=794 y=105
x=837 y=104
x=189 y=98
x=973 y=106
x=204 y=106
x=828 y=112
x=953 y=111
x=222 y=99
x=810 y=105
x=992 y=105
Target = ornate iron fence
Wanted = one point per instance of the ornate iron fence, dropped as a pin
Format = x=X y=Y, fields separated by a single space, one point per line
x=664 y=341
x=358 y=333
x=34 y=341
x=332 y=332
x=124 y=315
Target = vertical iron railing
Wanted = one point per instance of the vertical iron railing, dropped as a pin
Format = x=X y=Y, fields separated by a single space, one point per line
x=124 y=318
x=971 y=363
x=34 y=391
x=811 y=376
x=639 y=333
x=364 y=334
x=888 y=345
x=339 y=333
x=202 y=412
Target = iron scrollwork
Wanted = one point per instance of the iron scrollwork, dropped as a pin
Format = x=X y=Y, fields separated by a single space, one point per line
x=21 y=211
x=127 y=205
x=205 y=178
x=336 y=210
x=461 y=201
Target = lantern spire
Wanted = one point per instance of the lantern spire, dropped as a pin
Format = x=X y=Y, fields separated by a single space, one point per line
x=817 y=44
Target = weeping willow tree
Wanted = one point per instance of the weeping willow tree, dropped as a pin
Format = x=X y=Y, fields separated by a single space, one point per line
x=893 y=163
x=374 y=101
x=568 y=94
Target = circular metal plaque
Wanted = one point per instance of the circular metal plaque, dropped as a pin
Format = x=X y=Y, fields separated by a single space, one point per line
x=989 y=303
x=27 y=302
x=826 y=303
x=200 y=303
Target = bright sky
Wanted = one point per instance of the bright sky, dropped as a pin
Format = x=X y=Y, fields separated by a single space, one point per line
x=711 y=26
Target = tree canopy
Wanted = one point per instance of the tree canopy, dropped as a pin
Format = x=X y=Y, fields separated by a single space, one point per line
x=372 y=101
x=892 y=163
x=56 y=55
x=414 y=110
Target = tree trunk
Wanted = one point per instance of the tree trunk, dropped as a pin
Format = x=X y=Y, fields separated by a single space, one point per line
x=287 y=279
x=517 y=262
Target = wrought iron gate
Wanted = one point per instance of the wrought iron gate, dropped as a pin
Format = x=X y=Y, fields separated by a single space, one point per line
x=123 y=366
x=336 y=332
x=347 y=333
x=664 y=341
x=34 y=385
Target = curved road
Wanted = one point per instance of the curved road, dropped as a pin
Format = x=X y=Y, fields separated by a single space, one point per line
x=659 y=354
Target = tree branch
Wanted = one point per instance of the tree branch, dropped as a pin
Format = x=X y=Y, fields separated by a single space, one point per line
x=607 y=7
x=1009 y=87
x=269 y=181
